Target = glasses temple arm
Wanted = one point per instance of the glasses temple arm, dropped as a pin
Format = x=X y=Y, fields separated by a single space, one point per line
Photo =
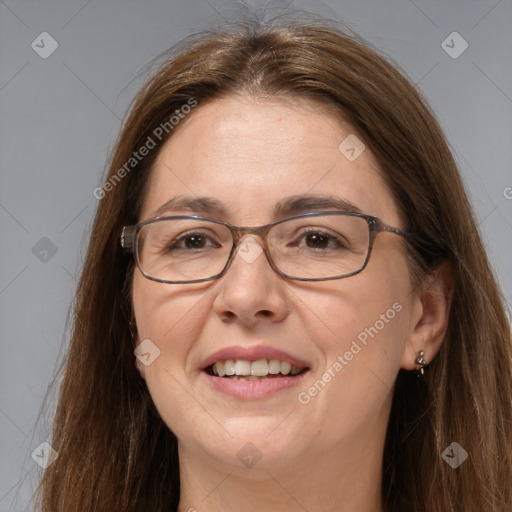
x=128 y=237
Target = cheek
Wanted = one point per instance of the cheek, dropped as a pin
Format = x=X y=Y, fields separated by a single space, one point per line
x=170 y=316
x=362 y=333
x=159 y=307
x=366 y=318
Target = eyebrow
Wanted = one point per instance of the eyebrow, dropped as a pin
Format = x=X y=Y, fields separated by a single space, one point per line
x=289 y=206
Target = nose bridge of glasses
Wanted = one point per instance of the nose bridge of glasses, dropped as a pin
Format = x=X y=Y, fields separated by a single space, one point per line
x=248 y=249
x=241 y=233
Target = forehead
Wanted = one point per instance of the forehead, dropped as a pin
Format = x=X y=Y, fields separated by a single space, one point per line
x=251 y=155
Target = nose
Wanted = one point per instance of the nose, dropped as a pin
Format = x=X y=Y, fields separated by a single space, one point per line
x=250 y=291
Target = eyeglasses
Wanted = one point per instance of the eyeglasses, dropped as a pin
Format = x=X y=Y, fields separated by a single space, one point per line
x=315 y=246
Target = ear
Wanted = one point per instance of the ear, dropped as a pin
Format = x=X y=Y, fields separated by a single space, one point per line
x=430 y=318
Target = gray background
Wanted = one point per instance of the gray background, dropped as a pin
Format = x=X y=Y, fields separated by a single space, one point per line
x=59 y=117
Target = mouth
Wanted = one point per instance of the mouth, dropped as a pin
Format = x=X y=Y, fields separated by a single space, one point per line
x=258 y=370
x=249 y=373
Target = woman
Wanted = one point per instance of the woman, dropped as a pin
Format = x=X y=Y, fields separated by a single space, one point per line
x=286 y=304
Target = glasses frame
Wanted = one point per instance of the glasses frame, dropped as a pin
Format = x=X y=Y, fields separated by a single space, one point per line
x=129 y=241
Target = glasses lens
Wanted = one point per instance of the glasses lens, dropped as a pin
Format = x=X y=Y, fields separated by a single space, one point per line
x=183 y=249
x=320 y=247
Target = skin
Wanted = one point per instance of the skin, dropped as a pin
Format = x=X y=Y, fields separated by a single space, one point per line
x=249 y=153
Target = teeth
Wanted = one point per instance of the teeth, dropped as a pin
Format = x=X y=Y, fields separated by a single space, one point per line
x=220 y=369
x=285 y=368
x=250 y=377
x=274 y=366
x=253 y=370
x=229 y=367
x=294 y=370
x=259 y=368
x=242 y=367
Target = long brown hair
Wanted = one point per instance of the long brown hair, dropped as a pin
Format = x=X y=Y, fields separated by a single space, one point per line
x=116 y=453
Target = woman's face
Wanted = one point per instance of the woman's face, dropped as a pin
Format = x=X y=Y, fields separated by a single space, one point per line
x=351 y=334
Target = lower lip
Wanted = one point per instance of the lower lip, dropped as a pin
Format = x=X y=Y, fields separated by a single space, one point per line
x=253 y=389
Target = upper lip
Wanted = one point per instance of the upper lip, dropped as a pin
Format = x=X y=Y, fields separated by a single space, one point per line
x=252 y=354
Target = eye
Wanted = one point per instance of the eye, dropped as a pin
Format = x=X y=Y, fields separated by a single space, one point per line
x=318 y=239
x=191 y=241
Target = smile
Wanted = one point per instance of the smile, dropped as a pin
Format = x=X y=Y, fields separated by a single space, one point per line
x=261 y=369
x=252 y=372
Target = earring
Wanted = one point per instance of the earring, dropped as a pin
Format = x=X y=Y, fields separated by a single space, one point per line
x=421 y=361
